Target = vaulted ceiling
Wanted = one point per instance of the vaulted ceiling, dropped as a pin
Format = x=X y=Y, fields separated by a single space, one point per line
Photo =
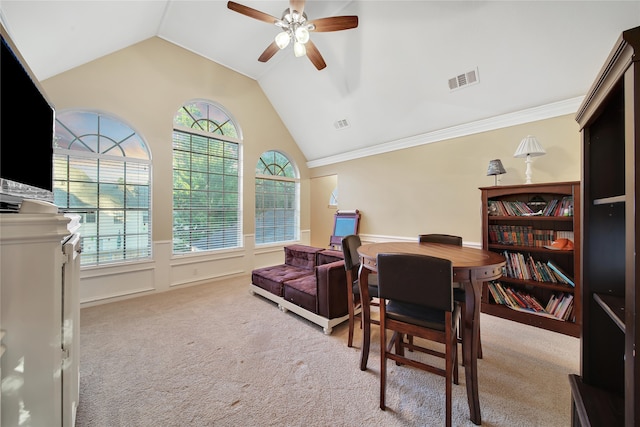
x=388 y=79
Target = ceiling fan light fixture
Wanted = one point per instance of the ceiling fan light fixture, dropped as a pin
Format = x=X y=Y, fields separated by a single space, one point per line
x=299 y=49
x=295 y=28
x=302 y=35
x=283 y=39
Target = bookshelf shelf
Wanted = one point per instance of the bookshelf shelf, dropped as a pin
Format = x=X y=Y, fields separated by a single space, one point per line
x=523 y=238
x=555 y=325
x=609 y=200
x=614 y=307
x=532 y=218
x=496 y=246
x=599 y=408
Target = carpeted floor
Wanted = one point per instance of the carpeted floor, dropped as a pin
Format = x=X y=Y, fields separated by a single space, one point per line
x=215 y=355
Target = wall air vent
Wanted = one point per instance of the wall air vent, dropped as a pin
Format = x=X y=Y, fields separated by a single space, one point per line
x=462 y=80
x=341 y=124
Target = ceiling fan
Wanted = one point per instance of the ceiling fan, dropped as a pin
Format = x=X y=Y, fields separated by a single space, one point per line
x=296 y=28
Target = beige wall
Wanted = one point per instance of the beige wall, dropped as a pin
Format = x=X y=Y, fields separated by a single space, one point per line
x=144 y=85
x=322 y=215
x=434 y=187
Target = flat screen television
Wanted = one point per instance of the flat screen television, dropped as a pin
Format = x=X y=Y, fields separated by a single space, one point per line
x=26 y=131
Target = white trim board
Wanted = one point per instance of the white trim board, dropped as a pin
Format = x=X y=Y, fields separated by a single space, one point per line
x=548 y=111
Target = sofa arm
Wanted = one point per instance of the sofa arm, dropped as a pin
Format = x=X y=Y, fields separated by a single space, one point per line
x=331 y=280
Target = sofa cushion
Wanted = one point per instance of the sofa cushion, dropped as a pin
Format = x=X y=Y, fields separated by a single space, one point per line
x=328 y=256
x=301 y=256
x=272 y=278
x=302 y=292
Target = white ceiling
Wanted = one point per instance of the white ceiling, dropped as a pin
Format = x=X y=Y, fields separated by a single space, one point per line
x=388 y=78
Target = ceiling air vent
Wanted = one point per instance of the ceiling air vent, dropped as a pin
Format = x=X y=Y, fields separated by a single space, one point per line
x=462 y=80
x=341 y=124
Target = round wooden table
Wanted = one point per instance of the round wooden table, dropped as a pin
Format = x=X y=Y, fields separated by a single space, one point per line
x=471 y=267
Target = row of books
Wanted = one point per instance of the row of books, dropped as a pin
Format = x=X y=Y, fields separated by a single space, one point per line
x=524 y=267
x=520 y=235
x=560 y=274
x=556 y=207
x=507 y=208
x=559 y=305
x=563 y=207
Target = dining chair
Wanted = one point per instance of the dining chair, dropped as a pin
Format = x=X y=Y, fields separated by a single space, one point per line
x=458 y=291
x=416 y=298
x=350 y=245
x=447 y=239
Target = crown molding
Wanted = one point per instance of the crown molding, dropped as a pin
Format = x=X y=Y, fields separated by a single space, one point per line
x=560 y=108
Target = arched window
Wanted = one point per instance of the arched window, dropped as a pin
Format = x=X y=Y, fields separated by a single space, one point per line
x=333 y=199
x=277 y=202
x=102 y=172
x=207 y=212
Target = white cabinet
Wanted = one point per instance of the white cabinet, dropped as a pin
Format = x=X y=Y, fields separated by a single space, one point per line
x=39 y=315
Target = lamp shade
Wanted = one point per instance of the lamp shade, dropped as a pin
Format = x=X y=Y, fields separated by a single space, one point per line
x=299 y=49
x=529 y=146
x=283 y=39
x=302 y=35
x=495 y=168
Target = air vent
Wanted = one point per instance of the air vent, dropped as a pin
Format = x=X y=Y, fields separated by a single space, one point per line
x=462 y=80
x=341 y=124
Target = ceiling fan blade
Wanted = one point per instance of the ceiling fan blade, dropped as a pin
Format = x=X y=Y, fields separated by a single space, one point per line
x=252 y=13
x=335 y=23
x=314 y=56
x=271 y=50
x=297 y=5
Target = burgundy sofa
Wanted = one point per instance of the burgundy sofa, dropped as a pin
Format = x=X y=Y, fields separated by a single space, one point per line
x=311 y=283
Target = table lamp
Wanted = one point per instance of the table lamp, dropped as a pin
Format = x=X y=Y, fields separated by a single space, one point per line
x=529 y=147
x=495 y=169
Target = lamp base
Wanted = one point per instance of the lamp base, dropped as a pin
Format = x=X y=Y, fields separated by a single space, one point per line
x=527 y=173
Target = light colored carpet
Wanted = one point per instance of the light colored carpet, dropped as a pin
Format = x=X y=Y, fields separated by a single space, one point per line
x=215 y=355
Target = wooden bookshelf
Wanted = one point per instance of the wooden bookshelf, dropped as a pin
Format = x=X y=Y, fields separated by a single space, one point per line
x=517 y=230
x=607 y=392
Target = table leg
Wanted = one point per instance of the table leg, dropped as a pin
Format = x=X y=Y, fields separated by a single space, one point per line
x=365 y=314
x=473 y=290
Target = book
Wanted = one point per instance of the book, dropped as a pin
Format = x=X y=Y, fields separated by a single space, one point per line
x=515 y=297
x=567 y=303
x=496 y=294
x=561 y=274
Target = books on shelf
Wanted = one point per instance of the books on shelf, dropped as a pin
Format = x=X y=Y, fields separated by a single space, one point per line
x=520 y=235
x=555 y=207
x=562 y=276
x=562 y=207
x=524 y=267
x=559 y=305
x=507 y=208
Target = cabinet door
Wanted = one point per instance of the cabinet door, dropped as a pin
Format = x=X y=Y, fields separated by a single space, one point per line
x=70 y=330
x=31 y=262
